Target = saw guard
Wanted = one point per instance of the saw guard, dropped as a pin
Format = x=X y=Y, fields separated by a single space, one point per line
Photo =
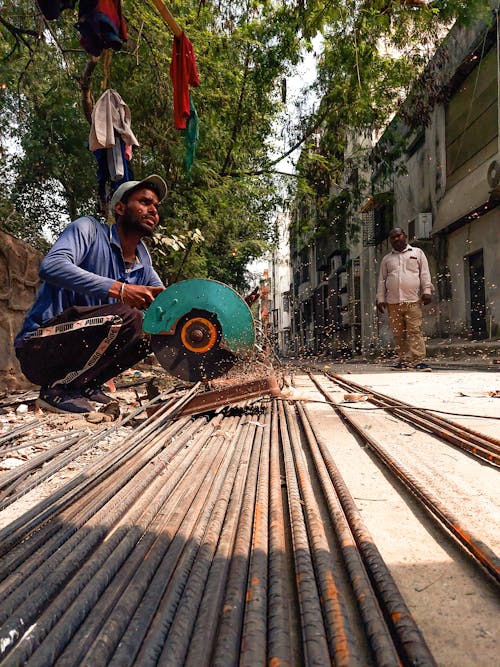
x=197 y=328
x=231 y=311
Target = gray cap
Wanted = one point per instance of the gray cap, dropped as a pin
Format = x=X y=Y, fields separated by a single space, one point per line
x=156 y=180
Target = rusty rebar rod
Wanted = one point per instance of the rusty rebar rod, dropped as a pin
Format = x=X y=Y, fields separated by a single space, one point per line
x=280 y=651
x=253 y=648
x=312 y=626
x=483 y=447
x=388 y=610
x=180 y=627
x=472 y=544
x=153 y=618
x=152 y=560
x=227 y=645
x=27 y=600
x=18 y=530
x=205 y=628
x=341 y=641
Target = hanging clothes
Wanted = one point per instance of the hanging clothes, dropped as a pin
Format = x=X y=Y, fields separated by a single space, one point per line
x=113 y=169
x=51 y=9
x=111 y=140
x=110 y=114
x=191 y=136
x=101 y=25
x=183 y=73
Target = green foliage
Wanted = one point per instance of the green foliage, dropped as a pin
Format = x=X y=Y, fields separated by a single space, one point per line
x=243 y=51
x=240 y=56
x=374 y=53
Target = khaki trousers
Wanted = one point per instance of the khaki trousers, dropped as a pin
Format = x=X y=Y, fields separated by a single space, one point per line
x=405 y=320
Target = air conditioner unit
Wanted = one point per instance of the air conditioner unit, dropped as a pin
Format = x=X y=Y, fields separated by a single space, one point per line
x=420 y=227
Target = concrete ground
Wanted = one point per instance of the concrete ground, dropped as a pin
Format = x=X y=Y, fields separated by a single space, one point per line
x=454 y=605
x=456 y=608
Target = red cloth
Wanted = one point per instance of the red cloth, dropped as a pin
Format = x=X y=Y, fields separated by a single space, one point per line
x=183 y=73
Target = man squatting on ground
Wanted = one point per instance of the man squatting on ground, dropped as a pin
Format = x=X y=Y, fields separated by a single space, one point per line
x=85 y=326
x=404 y=285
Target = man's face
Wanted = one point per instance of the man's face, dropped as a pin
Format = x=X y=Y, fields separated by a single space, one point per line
x=140 y=213
x=398 y=240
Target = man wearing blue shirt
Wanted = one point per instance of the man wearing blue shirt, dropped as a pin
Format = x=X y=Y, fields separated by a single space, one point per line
x=85 y=326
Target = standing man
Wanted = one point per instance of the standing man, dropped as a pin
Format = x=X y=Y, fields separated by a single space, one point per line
x=85 y=326
x=404 y=285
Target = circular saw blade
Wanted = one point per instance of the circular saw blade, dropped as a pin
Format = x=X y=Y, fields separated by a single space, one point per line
x=188 y=365
x=193 y=352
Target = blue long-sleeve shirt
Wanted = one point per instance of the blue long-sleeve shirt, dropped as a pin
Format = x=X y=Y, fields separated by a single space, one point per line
x=80 y=269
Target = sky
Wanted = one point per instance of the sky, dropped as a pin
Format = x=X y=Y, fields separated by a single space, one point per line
x=296 y=86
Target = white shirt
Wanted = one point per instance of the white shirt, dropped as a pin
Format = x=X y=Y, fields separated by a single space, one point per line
x=404 y=276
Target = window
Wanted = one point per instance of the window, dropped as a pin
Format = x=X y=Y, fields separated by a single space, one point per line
x=383 y=219
x=471 y=120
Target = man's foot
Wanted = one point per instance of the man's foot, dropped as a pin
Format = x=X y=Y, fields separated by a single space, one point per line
x=401 y=366
x=97 y=395
x=422 y=366
x=61 y=399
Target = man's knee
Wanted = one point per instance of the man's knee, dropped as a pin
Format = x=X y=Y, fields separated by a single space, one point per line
x=132 y=318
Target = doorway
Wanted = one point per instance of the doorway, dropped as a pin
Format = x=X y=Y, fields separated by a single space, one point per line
x=477 y=295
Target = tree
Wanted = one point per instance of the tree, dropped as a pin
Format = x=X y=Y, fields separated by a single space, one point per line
x=374 y=54
x=244 y=51
x=240 y=61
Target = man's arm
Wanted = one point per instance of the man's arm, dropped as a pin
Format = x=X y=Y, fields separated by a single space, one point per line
x=60 y=266
x=137 y=296
x=426 y=287
x=381 y=287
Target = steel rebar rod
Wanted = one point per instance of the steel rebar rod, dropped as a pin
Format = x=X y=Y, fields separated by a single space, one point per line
x=38 y=442
x=63 y=525
x=205 y=626
x=341 y=642
x=99 y=633
x=18 y=530
x=153 y=617
x=26 y=601
x=485 y=448
x=314 y=636
x=253 y=648
x=227 y=646
x=473 y=545
x=378 y=633
x=179 y=628
x=280 y=651
x=21 y=430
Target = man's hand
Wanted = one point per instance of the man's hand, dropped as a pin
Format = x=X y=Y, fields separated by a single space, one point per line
x=426 y=299
x=381 y=307
x=136 y=296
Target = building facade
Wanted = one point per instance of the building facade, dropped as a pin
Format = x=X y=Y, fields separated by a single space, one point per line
x=436 y=175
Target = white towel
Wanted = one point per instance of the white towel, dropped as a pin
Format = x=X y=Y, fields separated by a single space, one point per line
x=110 y=113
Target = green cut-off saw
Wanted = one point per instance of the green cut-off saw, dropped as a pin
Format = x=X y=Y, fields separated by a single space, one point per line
x=199 y=328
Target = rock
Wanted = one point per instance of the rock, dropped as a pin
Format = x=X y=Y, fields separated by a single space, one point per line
x=110 y=410
x=95 y=417
x=10 y=463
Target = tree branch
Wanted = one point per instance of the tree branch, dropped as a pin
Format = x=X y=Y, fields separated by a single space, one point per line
x=268 y=169
x=234 y=132
x=19 y=33
x=85 y=79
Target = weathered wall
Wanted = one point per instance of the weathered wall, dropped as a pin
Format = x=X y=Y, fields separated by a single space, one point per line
x=19 y=280
x=481 y=235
